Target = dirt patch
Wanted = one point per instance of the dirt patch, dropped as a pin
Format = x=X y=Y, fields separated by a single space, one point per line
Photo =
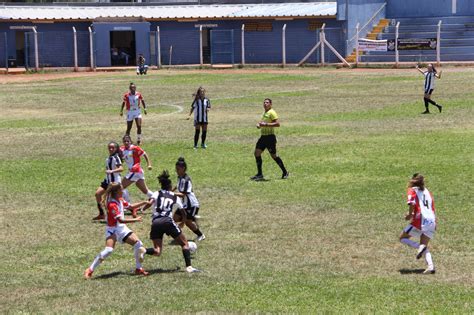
x=31 y=77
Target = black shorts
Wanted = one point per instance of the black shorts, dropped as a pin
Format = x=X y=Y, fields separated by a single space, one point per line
x=104 y=184
x=164 y=225
x=429 y=91
x=191 y=213
x=267 y=142
x=199 y=123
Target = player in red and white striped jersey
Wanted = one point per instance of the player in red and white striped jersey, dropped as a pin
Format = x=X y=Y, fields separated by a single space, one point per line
x=423 y=219
x=132 y=100
x=132 y=155
x=116 y=230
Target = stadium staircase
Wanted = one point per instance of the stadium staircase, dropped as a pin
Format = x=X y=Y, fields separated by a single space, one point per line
x=457 y=39
x=383 y=23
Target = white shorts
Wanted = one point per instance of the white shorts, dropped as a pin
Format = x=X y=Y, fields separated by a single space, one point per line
x=414 y=232
x=120 y=232
x=135 y=176
x=134 y=114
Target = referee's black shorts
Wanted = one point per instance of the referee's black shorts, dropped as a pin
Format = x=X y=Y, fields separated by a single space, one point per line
x=267 y=142
x=164 y=225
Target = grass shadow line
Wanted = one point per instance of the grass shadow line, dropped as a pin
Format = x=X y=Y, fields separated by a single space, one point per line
x=406 y=271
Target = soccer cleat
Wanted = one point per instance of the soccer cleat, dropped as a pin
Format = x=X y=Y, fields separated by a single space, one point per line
x=191 y=269
x=201 y=238
x=421 y=251
x=141 y=254
x=195 y=147
x=88 y=273
x=140 y=271
x=440 y=108
x=426 y=112
x=285 y=175
x=257 y=177
x=429 y=271
x=203 y=145
x=98 y=218
x=139 y=142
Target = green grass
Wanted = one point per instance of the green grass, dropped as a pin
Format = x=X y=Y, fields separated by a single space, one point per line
x=325 y=240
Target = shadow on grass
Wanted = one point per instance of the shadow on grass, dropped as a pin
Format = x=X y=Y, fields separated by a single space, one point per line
x=411 y=271
x=159 y=270
x=110 y=275
x=122 y=273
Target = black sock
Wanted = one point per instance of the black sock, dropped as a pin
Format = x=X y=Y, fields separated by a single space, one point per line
x=203 y=137
x=187 y=257
x=280 y=164
x=432 y=102
x=196 y=137
x=101 y=210
x=198 y=232
x=426 y=104
x=150 y=251
x=259 y=164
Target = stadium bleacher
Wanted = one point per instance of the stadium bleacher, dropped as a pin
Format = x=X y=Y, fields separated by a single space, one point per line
x=457 y=39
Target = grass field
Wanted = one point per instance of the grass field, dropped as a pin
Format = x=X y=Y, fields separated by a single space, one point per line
x=324 y=240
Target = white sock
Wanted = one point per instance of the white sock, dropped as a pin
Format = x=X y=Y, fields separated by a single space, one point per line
x=95 y=263
x=429 y=259
x=126 y=196
x=410 y=243
x=136 y=247
x=99 y=258
x=149 y=193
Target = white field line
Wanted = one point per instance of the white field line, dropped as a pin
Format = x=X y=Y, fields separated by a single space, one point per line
x=179 y=108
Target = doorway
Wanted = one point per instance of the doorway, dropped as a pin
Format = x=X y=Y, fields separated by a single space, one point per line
x=20 y=48
x=122 y=48
x=206 y=45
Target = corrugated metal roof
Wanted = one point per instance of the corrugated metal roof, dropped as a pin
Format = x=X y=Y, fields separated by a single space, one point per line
x=313 y=9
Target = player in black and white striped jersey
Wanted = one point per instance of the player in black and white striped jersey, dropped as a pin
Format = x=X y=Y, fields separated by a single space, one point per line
x=430 y=75
x=200 y=106
x=191 y=203
x=113 y=168
x=163 y=223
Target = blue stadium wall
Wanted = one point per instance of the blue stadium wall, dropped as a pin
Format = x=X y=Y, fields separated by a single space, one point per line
x=55 y=41
x=260 y=47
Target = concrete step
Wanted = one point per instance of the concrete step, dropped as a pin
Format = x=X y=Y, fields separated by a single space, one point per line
x=434 y=20
x=417 y=58
x=444 y=35
x=430 y=28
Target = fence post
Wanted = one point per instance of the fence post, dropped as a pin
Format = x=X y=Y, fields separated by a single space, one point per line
x=323 y=40
x=201 y=61
x=91 y=49
x=283 y=42
x=35 y=34
x=75 y=49
x=158 y=48
x=396 y=45
x=243 y=44
x=438 y=44
x=357 y=43
x=171 y=53
x=6 y=50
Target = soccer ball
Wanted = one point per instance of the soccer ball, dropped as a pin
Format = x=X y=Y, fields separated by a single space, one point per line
x=192 y=247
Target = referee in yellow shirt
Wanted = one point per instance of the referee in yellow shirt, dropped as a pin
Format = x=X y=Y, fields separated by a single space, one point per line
x=268 y=140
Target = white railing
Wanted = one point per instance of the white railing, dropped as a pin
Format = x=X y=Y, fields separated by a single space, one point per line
x=375 y=16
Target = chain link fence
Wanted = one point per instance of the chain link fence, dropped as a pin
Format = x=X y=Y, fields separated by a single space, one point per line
x=188 y=47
